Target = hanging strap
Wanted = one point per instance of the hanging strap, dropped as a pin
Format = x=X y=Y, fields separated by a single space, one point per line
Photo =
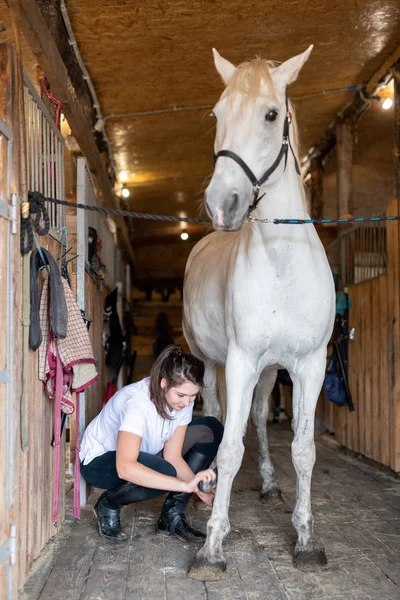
x=77 y=469
x=25 y=355
x=57 y=431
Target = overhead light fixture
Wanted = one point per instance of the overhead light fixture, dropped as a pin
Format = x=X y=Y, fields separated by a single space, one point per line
x=387 y=103
x=184 y=236
x=125 y=193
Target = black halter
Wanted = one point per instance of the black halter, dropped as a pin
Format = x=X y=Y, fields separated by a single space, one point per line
x=283 y=153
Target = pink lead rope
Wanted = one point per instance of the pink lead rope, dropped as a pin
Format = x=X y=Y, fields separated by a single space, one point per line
x=77 y=469
x=57 y=431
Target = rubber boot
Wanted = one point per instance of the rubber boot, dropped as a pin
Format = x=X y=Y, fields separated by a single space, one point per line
x=172 y=520
x=108 y=508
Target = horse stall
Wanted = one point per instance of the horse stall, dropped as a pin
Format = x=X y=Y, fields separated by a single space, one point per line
x=105 y=129
x=365 y=257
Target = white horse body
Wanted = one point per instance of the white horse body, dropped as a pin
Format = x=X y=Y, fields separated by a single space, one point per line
x=261 y=292
x=256 y=299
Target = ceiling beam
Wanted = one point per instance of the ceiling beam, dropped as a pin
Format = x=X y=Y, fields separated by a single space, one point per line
x=352 y=111
x=39 y=38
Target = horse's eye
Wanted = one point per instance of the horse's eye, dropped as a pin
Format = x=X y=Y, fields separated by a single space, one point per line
x=271 y=116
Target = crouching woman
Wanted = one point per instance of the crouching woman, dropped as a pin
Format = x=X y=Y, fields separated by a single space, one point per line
x=145 y=443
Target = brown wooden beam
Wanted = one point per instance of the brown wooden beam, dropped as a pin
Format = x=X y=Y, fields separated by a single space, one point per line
x=396 y=76
x=38 y=36
x=344 y=158
x=317 y=187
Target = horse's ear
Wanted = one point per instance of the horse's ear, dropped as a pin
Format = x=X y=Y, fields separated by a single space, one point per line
x=223 y=66
x=288 y=71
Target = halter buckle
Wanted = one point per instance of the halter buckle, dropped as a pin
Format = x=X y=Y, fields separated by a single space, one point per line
x=285 y=141
x=289 y=116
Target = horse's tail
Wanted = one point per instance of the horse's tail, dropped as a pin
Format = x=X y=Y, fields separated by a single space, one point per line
x=221 y=391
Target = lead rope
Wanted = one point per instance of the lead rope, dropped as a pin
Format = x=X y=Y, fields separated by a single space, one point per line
x=77 y=468
x=57 y=431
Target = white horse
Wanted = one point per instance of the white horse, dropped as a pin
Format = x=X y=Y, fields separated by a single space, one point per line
x=259 y=296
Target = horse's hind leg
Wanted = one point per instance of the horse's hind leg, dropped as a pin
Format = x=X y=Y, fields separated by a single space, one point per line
x=211 y=406
x=270 y=491
x=307 y=382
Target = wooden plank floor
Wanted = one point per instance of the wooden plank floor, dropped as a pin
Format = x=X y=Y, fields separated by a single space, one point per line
x=357 y=516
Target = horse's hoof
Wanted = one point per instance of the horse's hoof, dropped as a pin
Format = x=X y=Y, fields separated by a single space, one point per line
x=311 y=557
x=202 y=570
x=273 y=497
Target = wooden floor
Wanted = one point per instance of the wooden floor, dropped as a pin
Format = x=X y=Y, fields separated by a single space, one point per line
x=357 y=516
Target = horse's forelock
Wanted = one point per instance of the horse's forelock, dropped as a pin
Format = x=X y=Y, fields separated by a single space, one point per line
x=252 y=79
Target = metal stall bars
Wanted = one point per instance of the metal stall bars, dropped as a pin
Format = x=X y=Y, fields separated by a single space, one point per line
x=359 y=254
x=86 y=195
x=44 y=156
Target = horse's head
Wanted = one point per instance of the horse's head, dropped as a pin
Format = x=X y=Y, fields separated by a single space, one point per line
x=250 y=116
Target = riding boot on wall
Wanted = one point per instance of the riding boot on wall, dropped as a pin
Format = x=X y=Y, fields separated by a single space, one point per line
x=172 y=520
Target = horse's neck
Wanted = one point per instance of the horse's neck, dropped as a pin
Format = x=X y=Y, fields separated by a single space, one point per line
x=283 y=199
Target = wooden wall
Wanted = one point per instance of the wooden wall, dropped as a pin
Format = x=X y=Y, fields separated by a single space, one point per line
x=31 y=508
x=35 y=489
x=373 y=429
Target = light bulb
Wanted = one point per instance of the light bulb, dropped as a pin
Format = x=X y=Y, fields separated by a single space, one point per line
x=125 y=192
x=184 y=236
x=387 y=103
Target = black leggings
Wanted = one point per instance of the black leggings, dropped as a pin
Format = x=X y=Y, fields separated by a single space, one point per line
x=203 y=435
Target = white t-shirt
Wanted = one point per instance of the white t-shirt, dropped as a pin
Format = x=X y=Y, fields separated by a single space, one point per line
x=131 y=409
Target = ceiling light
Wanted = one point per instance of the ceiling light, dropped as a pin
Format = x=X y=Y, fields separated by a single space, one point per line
x=387 y=103
x=184 y=236
x=123 y=176
x=125 y=193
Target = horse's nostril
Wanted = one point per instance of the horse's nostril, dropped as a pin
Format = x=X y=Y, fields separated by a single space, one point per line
x=235 y=201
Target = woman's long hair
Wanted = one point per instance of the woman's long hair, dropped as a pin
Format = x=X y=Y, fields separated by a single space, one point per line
x=176 y=367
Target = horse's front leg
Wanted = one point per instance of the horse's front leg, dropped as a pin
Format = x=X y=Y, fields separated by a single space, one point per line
x=210 y=562
x=307 y=383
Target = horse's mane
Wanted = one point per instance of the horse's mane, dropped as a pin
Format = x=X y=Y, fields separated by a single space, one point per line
x=253 y=79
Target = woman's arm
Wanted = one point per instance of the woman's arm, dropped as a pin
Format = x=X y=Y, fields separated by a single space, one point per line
x=128 y=468
x=128 y=447
x=173 y=454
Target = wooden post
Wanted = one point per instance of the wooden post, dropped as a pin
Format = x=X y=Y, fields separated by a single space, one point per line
x=344 y=159
x=396 y=76
x=344 y=156
x=395 y=400
x=317 y=187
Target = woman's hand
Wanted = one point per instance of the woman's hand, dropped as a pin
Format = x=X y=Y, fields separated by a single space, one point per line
x=207 y=498
x=192 y=486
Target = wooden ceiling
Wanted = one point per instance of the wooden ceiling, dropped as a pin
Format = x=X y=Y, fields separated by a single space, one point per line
x=151 y=57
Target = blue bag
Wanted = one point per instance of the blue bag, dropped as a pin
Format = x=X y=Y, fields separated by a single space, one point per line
x=333 y=386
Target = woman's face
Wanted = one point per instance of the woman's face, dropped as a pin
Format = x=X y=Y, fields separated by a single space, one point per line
x=180 y=396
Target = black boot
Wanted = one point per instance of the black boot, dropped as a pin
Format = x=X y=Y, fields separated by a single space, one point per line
x=108 y=508
x=172 y=520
